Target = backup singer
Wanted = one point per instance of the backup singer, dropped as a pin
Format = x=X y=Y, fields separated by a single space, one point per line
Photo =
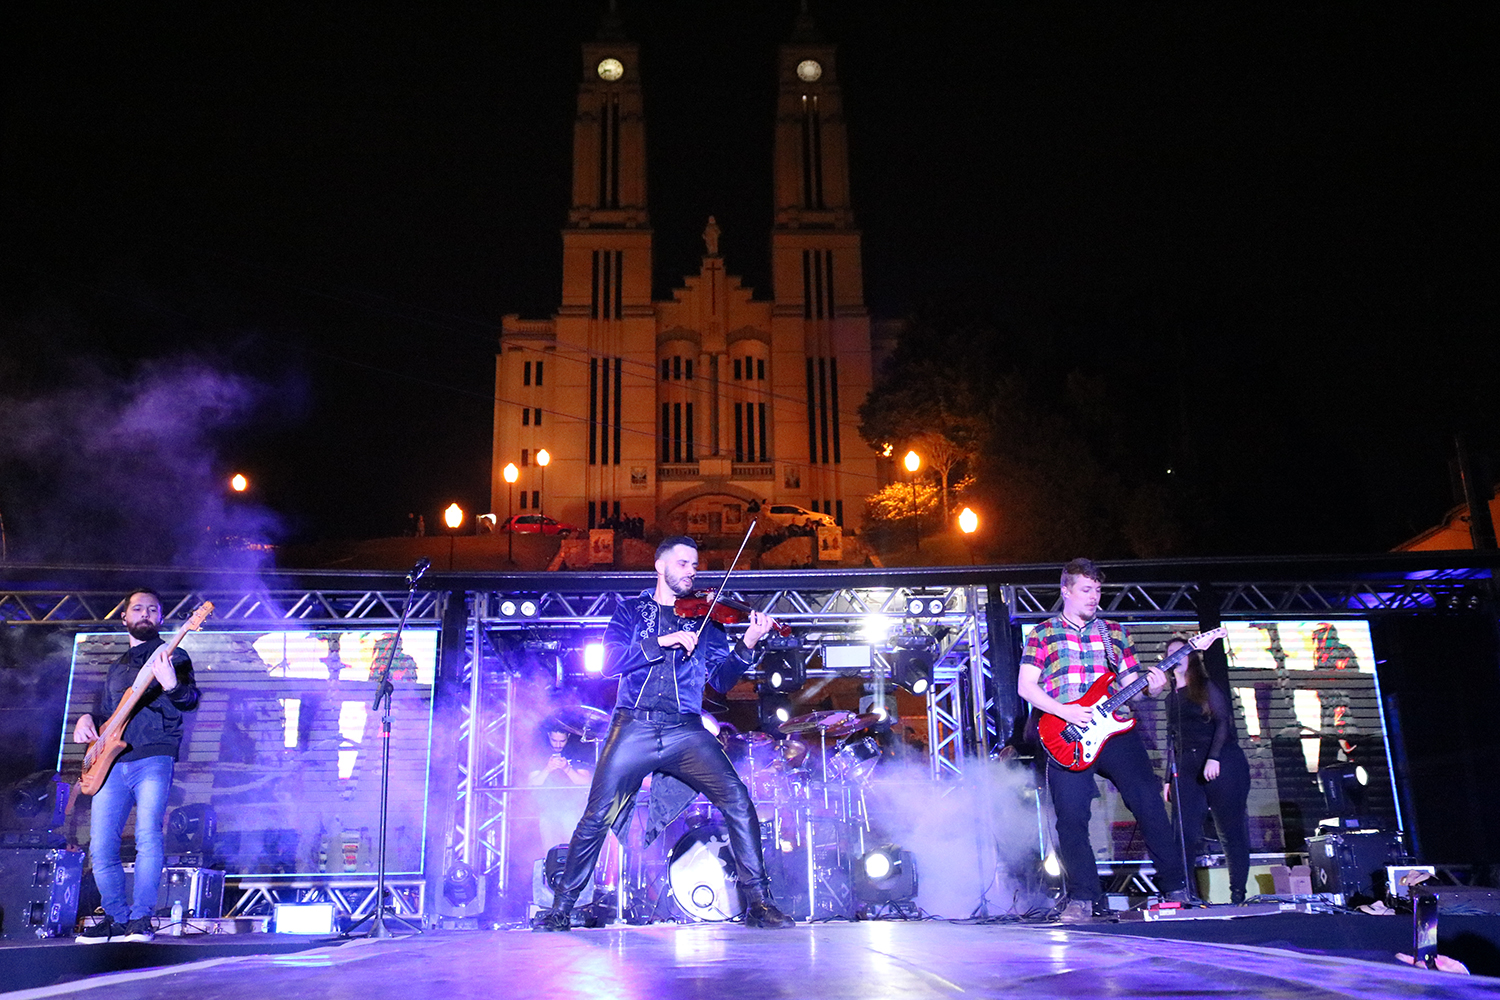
x=1212 y=771
x=142 y=776
x=1063 y=656
x=663 y=662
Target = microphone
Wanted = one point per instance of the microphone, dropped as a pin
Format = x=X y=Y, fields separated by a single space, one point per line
x=416 y=571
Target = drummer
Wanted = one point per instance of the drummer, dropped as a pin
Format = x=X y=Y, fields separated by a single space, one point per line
x=663 y=662
x=555 y=810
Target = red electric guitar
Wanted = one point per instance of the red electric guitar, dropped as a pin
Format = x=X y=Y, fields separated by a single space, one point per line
x=1075 y=747
x=100 y=757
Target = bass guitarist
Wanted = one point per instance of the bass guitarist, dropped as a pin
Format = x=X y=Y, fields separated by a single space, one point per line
x=1064 y=655
x=142 y=775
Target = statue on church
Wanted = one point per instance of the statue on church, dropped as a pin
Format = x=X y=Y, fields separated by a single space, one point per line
x=711 y=237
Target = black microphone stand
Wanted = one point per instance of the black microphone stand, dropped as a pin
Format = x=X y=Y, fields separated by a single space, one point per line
x=1174 y=741
x=380 y=928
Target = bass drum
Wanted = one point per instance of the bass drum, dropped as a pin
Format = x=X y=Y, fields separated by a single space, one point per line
x=701 y=872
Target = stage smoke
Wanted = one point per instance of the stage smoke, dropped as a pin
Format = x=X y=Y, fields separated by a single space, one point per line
x=122 y=467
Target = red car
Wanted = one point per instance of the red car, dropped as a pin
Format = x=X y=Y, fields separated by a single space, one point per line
x=537 y=524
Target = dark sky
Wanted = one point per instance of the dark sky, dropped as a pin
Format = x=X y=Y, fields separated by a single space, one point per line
x=300 y=225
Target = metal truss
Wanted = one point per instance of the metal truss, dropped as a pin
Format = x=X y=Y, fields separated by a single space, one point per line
x=351 y=898
x=256 y=608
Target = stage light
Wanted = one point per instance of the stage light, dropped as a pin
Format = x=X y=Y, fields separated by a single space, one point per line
x=303 y=918
x=775 y=708
x=876 y=627
x=925 y=605
x=460 y=885
x=912 y=669
x=886 y=874
x=593 y=658
x=1051 y=866
x=784 y=670
x=520 y=606
x=1344 y=787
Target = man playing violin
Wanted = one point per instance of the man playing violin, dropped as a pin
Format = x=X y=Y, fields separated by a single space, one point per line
x=663 y=662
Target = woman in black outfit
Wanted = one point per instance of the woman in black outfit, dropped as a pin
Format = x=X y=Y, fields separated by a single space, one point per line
x=1213 y=771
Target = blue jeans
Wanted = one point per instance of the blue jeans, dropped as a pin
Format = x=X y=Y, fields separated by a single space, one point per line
x=143 y=784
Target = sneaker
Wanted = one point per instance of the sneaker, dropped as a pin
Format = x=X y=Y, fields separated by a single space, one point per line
x=1082 y=911
x=102 y=932
x=138 y=929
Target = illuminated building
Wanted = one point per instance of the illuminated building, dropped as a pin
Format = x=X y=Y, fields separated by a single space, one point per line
x=688 y=411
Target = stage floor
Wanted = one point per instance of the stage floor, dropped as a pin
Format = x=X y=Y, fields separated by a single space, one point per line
x=833 y=961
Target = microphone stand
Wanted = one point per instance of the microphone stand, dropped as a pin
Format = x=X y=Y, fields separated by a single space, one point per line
x=384 y=689
x=1174 y=740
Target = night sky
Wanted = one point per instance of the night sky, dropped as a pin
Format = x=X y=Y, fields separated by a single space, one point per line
x=291 y=232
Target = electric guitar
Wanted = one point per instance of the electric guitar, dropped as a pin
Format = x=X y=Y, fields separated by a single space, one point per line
x=104 y=750
x=1075 y=747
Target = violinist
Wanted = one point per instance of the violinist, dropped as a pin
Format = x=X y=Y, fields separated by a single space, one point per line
x=663 y=662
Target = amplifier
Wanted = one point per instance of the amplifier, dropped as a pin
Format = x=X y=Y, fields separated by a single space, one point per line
x=39 y=891
x=199 y=890
x=1351 y=866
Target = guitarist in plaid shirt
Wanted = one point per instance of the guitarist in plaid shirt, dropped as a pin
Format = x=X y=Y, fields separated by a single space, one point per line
x=1063 y=656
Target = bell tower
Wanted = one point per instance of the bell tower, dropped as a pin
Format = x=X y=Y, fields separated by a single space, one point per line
x=821 y=337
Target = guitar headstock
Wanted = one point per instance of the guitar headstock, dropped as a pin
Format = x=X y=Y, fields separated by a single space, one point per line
x=198 y=617
x=1203 y=640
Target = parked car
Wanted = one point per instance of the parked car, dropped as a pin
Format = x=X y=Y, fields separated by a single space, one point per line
x=537 y=524
x=781 y=515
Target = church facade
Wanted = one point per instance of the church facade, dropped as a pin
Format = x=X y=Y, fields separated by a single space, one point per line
x=693 y=412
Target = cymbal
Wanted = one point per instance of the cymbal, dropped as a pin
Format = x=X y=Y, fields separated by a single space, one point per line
x=754 y=738
x=815 y=720
x=584 y=721
x=854 y=725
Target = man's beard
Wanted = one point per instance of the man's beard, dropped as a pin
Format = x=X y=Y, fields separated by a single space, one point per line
x=679 y=585
x=143 y=630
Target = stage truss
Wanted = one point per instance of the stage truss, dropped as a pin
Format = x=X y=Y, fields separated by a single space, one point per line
x=823 y=607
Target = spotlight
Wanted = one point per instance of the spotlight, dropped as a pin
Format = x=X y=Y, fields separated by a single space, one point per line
x=460 y=885
x=1052 y=867
x=912 y=669
x=925 y=605
x=1344 y=788
x=593 y=658
x=886 y=874
x=784 y=670
x=520 y=606
x=775 y=708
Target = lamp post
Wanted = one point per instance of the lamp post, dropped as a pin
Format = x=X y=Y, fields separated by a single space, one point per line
x=913 y=462
x=543 y=459
x=453 y=517
x=238 y=482
x=511 y=475
x=968 y=523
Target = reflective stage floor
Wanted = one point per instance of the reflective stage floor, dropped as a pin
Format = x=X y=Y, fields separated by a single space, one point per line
x=833 y=961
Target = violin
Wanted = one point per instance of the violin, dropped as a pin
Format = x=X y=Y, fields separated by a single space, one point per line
x=724 y=610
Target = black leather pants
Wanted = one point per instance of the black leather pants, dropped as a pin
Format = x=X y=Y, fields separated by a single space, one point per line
x=685 y=750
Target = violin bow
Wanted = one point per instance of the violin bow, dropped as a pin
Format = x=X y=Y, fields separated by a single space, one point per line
x=710 y=613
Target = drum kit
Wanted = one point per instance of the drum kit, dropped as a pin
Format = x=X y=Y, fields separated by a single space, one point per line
x=808 y=781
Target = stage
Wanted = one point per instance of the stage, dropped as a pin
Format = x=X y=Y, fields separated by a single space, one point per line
x=835 y=960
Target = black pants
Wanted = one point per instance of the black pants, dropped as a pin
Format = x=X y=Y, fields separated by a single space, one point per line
x=1124 y=762
x=1226 y=796
x=685 y=750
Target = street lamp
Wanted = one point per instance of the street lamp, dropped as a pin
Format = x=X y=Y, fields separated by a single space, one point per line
x=238 y=482
x=453 y=517
x=511 y=475
x=542 y=459
x=968 y=523
x=913 y=463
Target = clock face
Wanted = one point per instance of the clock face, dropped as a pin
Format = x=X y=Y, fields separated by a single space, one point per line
x=611 y=69
x=808 y=70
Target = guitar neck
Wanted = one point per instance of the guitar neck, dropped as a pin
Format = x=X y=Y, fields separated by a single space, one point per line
x=121 y=715
x=1138 y=685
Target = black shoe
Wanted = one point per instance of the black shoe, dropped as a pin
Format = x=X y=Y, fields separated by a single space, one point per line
x=103 y=932
x=1237 y=897
x=553 y=920
x=1182 y=896
x=765 y=914
x=138 y=930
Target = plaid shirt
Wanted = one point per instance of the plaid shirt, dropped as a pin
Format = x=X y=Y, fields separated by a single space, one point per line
x=1070 y=659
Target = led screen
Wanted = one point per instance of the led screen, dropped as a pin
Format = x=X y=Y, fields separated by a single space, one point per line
x=285 y=748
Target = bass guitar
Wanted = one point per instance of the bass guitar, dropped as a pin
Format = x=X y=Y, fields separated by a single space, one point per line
x=1075 y=747
x=103 y=751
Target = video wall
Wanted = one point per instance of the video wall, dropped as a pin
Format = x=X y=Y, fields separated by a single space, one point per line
x=1305 y=697
x=284 y=748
